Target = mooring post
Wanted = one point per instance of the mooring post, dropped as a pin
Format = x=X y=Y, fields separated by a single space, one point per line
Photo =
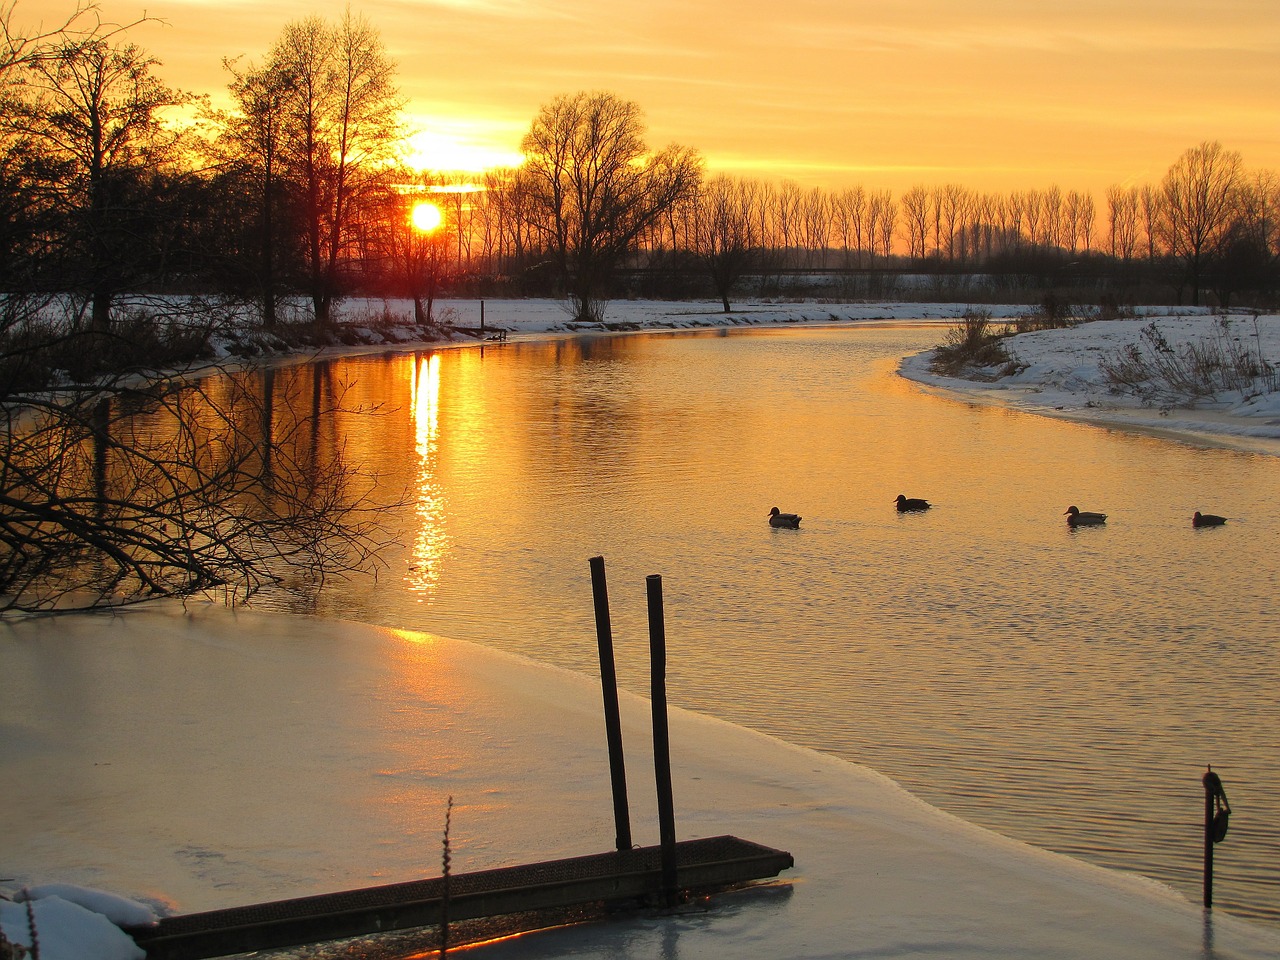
x=481 y=316
x=612 y=715
x=662 y=740
x=1208 y=843
x=1216 y=814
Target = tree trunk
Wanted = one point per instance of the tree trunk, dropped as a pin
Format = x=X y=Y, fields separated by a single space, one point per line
x=101 y=315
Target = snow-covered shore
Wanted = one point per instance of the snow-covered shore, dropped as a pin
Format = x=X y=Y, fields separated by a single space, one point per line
x=1059 y=374
x=1058 y=370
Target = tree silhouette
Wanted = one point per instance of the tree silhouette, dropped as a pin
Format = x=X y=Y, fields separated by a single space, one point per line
x=595 y=188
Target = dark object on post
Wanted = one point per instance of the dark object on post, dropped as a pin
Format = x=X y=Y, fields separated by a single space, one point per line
x=1216 y=814
x=612 y=715
x=662 y=740
x=529 y=896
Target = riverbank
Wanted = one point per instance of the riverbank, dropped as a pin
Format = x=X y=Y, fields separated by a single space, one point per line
x=1060 y=373
x=196 y=758
x=1057 y=371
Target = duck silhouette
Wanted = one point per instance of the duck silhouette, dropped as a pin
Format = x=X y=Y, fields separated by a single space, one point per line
x=790 y=521
x=908 y=504
x=1079 y=518
x=1207 y=520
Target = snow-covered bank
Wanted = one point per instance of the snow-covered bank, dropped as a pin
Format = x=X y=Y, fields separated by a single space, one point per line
x=1059 y=374
x=538 y=316
x=204 y=758
x=1058 y=371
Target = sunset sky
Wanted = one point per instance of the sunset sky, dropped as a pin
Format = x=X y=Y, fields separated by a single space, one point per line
x=992 y=94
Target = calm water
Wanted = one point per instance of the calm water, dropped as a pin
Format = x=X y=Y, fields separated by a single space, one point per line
x=1063 y=687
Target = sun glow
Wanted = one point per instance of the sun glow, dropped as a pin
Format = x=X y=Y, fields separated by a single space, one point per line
x=426 y=216
x=431 y=542
x=468 y=152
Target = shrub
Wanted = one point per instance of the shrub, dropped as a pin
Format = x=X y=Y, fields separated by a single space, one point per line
x=1052 y=314
x=971 y=344
x=1158 y=373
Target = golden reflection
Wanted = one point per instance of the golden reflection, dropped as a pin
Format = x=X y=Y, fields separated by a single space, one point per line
x=430 y=540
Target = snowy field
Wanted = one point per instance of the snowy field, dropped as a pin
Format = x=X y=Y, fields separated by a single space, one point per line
x=209 y=758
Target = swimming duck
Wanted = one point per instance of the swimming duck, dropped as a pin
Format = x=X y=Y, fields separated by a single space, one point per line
x=1077 y=518
x=906 y=504
x=1207 y=520
x=789 y=520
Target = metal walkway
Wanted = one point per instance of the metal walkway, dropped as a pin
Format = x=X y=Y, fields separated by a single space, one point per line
x=604 y=878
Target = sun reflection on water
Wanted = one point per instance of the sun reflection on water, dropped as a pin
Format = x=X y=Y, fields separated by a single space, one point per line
x=431 y=541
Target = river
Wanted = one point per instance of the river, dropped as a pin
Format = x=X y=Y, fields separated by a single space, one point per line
x=1064 y=687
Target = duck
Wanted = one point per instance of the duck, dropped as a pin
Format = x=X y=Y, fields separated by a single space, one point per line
x=1207 y=520
x=779 y=519
x=906 y=504
x=1079 y=518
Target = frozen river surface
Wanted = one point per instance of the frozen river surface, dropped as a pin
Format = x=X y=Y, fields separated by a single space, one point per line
x=1063 y=687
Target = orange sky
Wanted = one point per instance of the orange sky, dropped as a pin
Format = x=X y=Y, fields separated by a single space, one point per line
x=992 y=94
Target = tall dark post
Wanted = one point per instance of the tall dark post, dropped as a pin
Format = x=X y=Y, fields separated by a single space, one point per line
x=482 y=317
x=662 y=739
x=612 y=715
x=1217 y=813
x=1208 y=842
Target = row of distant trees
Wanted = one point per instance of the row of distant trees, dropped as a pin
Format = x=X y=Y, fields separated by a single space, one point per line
x=300 y=188
x=1209 y=226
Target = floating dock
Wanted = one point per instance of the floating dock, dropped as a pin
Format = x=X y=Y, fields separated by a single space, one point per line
x=607 y=878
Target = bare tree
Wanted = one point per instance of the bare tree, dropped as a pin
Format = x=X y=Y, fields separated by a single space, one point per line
x=953 y=204
x=883 y=216
x=849 y=212
x=92 y=109
x=113 y=495
x=251 y=143
x=1122 y=212
x=596 y=188
x=815 y=225
x=1201 y=194
x=915 y=212
x=1151 y=206
x=1084 y=212
x=1052 y=217
x=341 y=120
x=18 y=48
x=725 y=238
x=1033 y=210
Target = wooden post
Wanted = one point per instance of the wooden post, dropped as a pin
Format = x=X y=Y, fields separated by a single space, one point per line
x=1208 y=843
x=482 y=318
x=612 y=715
x=1217 y=813
x=662 y=740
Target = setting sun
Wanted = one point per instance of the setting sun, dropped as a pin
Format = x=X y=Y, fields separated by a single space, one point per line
x=426 y=216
